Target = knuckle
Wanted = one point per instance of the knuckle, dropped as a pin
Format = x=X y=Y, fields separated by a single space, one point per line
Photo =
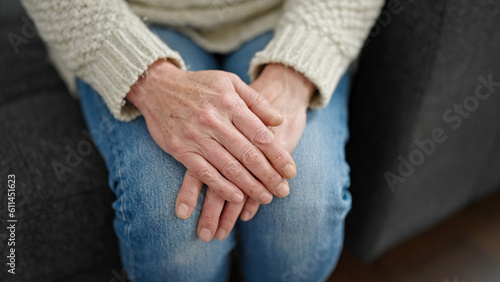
x=227 y=219
x=253 y=191
x=175 y=145
x=231 y=169
x=252 y=205
x=279 y=157
x=241 y=104
x=220 y=191
x=211 y=219
x=231 y=76
x=188 y=132
x=264 y=137
x=258 y=99
x=273 y=179
x=206 y=175
x=181 y=153
x=229 y=100
x=207 y=117
x=250 y=155
x=220 y=73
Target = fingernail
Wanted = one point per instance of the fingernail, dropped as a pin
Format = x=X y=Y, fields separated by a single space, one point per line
x=283 y=190
x=289 y=171
x=245 y=216
x=265 y=198
x=182 y=211
x=237 y=198
x=220 y=234
x=205 y=234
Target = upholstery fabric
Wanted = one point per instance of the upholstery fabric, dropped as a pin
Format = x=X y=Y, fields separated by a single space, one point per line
x=425 y=60
x=64 y=229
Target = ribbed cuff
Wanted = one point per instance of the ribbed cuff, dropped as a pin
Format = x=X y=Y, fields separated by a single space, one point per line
x=308 y=53
x=124 y=56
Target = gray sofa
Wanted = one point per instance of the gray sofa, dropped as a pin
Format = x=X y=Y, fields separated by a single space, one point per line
x=417 y=65
x=64 y=230
x=421 y=81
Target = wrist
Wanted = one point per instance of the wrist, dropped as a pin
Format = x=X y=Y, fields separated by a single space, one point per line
x=141 y=90
x=289 y=82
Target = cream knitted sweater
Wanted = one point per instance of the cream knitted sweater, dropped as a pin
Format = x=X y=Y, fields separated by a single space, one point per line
x=107 y=44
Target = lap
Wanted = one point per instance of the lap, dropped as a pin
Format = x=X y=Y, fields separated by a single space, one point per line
x=154 y=243
x=146 y=181
x=302 y=234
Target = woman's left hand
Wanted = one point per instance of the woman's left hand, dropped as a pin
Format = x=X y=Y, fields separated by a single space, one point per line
x=289 y=93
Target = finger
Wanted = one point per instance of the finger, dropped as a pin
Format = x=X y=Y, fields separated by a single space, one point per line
x=227 y=219
x=264 y=139
x=249 y=209
x=257 y=103
x=187 y=198
x=210 y=214
x=254 y=161
x=234 y=171
x=206 y=173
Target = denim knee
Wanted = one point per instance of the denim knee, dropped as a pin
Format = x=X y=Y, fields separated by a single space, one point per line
x=155 y=244
x=300 y=237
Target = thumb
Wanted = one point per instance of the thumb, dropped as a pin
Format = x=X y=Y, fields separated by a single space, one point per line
x=257 y=103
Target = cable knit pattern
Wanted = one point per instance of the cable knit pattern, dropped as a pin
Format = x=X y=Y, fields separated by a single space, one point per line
x=105 y=42
x=319 y=39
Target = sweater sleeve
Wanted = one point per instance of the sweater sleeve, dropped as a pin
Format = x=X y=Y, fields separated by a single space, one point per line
x=103 y=43
x=319 y=38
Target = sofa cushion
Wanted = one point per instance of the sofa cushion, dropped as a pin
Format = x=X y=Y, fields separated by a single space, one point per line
x=63 y=204
x=427 y=59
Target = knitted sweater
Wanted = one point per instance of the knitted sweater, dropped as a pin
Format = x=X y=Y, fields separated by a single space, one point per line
x=107 y=44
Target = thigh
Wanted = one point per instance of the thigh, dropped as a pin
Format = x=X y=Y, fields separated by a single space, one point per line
x=299 y=238
x=155 y=245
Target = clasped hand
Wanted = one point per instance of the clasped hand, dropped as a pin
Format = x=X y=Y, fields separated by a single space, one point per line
x=224 y=132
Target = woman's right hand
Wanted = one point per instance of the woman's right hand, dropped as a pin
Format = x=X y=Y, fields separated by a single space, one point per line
x=215 y=125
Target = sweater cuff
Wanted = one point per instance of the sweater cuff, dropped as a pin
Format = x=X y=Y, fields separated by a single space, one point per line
x=308 y=53
x=124 y=56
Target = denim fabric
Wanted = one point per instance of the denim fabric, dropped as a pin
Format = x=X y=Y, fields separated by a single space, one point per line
x=297 y=238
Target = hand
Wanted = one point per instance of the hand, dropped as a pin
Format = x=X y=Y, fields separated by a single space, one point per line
x=215 y=124
x=217 y=217
x=289 y=93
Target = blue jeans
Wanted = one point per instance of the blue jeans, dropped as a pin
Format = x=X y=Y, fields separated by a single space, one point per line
x=297 y=238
